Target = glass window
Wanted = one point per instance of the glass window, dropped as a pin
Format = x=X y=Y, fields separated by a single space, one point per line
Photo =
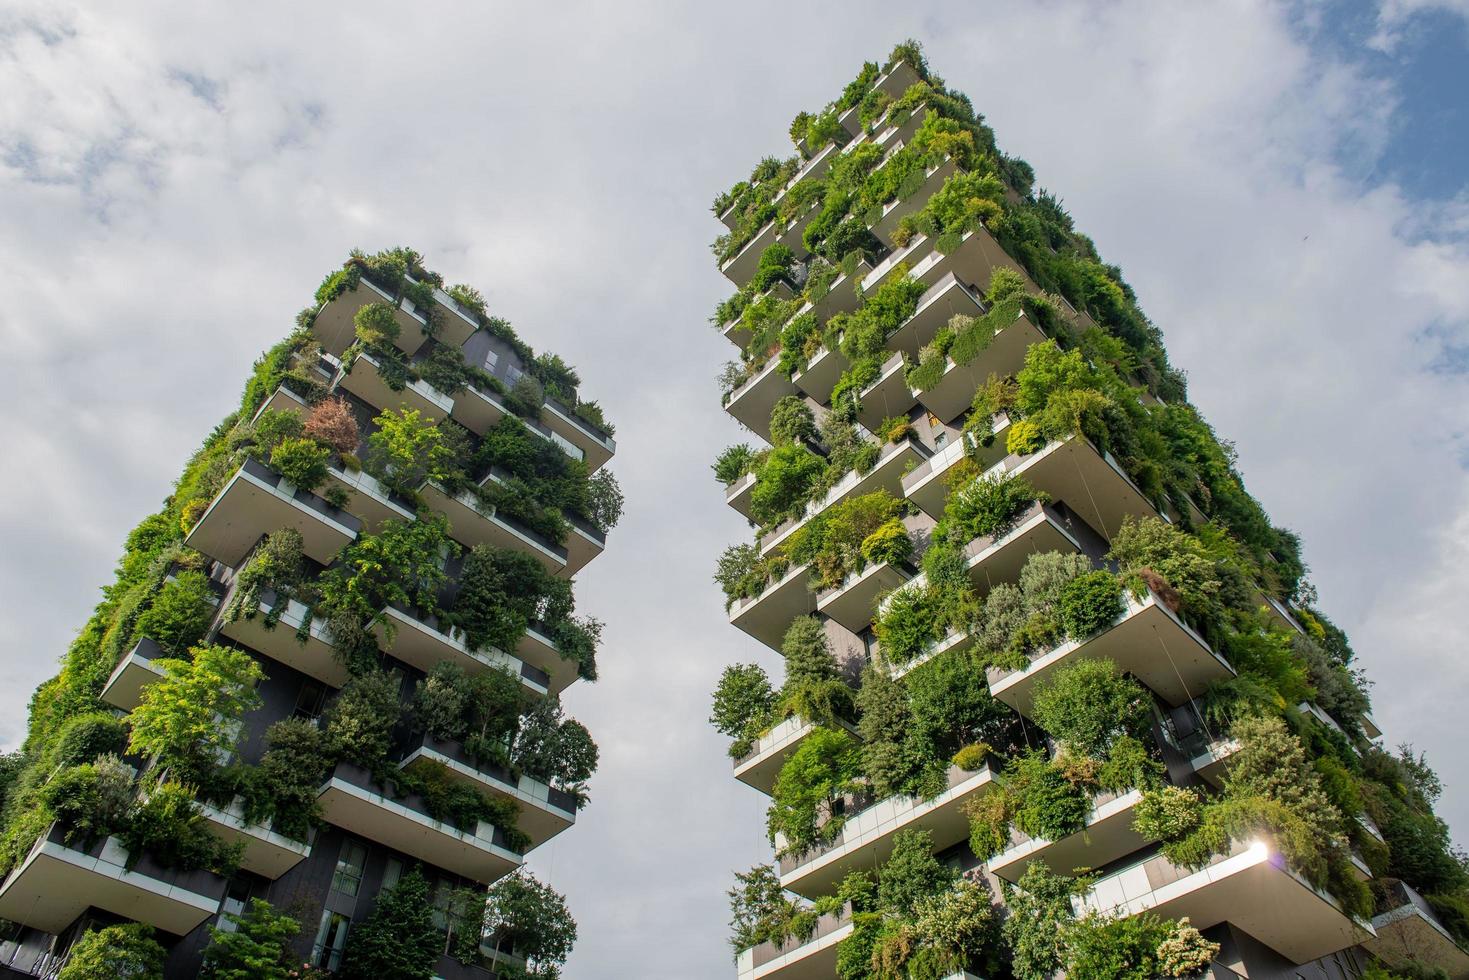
x=331 y=936
x=492 y=359
x=310 y=700
x=513 y=373
x=348 y=877
x=940 y=439
x=392 y=872
x=236 y=897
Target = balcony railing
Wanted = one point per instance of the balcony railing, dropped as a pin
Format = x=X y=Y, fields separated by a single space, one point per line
x=1411 y=937
x=1107 y=836
x=423 y=642
x=124 y=687
x=335 y=329
x=812 y=959
x=759 y=766
x=267 y=853
x=258 y=500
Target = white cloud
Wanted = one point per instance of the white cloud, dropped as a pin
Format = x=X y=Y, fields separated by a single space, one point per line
x=164 y=231
x=1394 y=16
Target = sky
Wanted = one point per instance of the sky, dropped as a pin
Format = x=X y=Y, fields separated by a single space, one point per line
x=1283 y=185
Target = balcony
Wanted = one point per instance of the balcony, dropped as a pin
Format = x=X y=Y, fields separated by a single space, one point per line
x=124 y=687
x=1210 y=757
x=308 y=650
x=974 y=259
x=368 y=499
x=1251 y=887
x=1409 y=936
x=583 y=540
x=767 y=616
x=813 y=169
x=886 y=474
x=57 y=882
x=363 y=376
x=737 y=494
x=951 y=641
x=266 y=853
x=335 y=329
x=814 y=959
x=735 y=331
x=752 y=402
x=479 y=410
x=1369 y=726
x=1092 y=485
x=1005 y=356
x=912 y=255
x=822 y=372
x=1277 y=611
x=841 y=296
x=422 y=642
x=349 y=800
x=741 y=267
x=866 y=838
x=544 y=810
x=897 y=79
x=1107 y=836
x=759 y=767
x=1148 y=641
x=927 y=484
x=940 y=303
x=455 y=325
x=888 y=396
x=472 y=525
x=596 y=446
x=896 y=210
x=257 y=500
x=854 y=602
x=284 y=399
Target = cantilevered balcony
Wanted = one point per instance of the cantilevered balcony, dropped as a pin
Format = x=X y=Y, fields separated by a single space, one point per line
x=894 y=211
x=266 y=852
x=735 y=330
x=335 y=329
x=283 y=399
x=886 y=474
x=56 y=882
x=853 y=603
x=309 y=650
x=759 y=767
x=597 y=447
x=1278 y=612
x=1410 y=937
x=814 y=959
x=1209 y=757
x=1252 y=887
x=974 y=259
x=740 y=268
x=1107 y=837
x=767 y=616
x=888 y=396
x=1148 y=640
x=909 y=257
x=424 y=642
x=258 y=500
x=866 y=838
x=478 y=410
x=752 y=402
x=952 y=394
x=940 y=303
x=737 y=494
x=897 y=79
x=472 y=523
x=583 y=540
x=135 y=671
x=927 y=484
x=841 y=296
x=363 y=376
x=455 y=323
x=350 y=800
x=822 y=372
x=368 y=499
x=953 y=640
x=544 y=810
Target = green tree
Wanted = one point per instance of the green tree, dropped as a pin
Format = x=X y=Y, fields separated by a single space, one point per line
x=1090 y=704
x=398 y=940
x=818 y=773
x=887 y=754
x=911 y=874
x=405 y=450
x=359 y=723
x=531 y=918
x=179 y=614
x=742 y=705
x=126 y=952
x=190 y=717
x=257 y=947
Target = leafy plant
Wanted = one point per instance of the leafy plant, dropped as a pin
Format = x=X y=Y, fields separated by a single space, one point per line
x=301 y=461
x=1090 y=603
x=1090 y=704
x=332 y=424
x=179 y=614
x=743 y=701
x=733 y=463
x=398 y=938
x=257 y=948
x=125 y=952
x=404 y=450
x=190 y=716
x=532 y=918
x=791 y=421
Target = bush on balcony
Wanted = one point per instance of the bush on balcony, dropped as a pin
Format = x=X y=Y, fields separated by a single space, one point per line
x=555 y=749
x=531 y=918
x=785 y=483
x=832 y=540
x=282 y=788
x=125 y=952
x=888 y=544
x=459 y=804
x=1090 y=603
x=759 y=910
x=358 y=725
x=332 y=424
x=743 y=705
x=821 y=771
x=813 y=687
x=169 y=826
x=480 y=710
x=1090 y=704
x=256 y=948
x=180 y=613
x=733 y=463
x=91 y=800
x=376 y=325
x=190 y=717
x=1153 y=546
x=301 y=461
x=404 y=450
x=277 y=564
x=988 y=505
x=399 y=937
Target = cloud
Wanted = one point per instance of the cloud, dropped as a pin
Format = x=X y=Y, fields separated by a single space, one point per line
x=177 y=180
x=1394 y=16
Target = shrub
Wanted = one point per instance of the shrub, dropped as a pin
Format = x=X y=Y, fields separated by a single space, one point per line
x=90 y=801
x=190 y=717
x=359 y=723
x=399 y=937
x=911 y=874
x=909 y=624
x=126 y=952
x=971 y=758
x=169 y=826
x=1177 y=557
x=1090 y=604
x=759 y=910
x=988 y=505
x=733 y=463
x=821 y=770
x=532 y=918
x=791 y=421
x=180 y=613
x=1088 y=705
x=289 y=777
x=406 y=450
x=889 y=543
x=84 y=738
x=257 y=948
x=1047 y=804
x=440 y=700
x=1024 y=437
x=376 y=325
x=785 y=483
x=332 y=424
x=1167 y=813
x=301 y=461
x=743 y=701
x=1185 y=953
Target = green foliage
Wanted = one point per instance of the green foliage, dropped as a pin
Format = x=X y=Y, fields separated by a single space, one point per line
x=533 y=918
x=1167 y=813
x=404 y=450
x=1152 y=545
x=398 y=938
x=359 y=723
x=191 y=715
x=888 y=543
x=821 y=770
x=785 y=482
x=791 y=421
x=501 y=592
x=125 y=952
x=1040 y=915
x=376 y=325
x=90 y=801
x=813 y=688
x=180 y=613
x=743 y=703
x=1089 y=704
x=256 y=949
x=911 y=873
x=972 y=757
x=167 y=824
x=733 y=463
x=555 y=749
x=987 y=506
x=301 y=461
x=1046 y=803
x=759 y=910
x=832 y=540
x=1090 y=603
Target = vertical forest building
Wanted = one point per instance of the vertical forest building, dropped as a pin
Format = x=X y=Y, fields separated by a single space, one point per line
x=317 y=714
x=1056 y=695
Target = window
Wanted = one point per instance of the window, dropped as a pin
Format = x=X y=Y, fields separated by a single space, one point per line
x=392 y=873
x=513 y=373
x=310 y=700
x=348 y=877
x=491 y=360
x=236 y=897
x=331 y=936
x=940 y=439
